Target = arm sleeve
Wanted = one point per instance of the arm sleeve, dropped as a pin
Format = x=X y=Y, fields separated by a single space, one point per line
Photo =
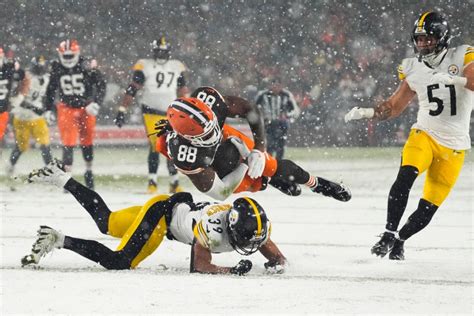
x=51 y=91
x=138 y=79
x=181 y=80
x=223 y=188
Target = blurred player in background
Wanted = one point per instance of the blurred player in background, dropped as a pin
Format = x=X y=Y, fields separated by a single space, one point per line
x=161 y=80
x=208 y=227
x=220 y=160
x=29 y=120
x=11 y=75
x=443 y=80
x=279 y=107
x=81 y=89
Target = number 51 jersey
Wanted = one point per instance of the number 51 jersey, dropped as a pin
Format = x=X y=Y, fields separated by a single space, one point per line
x=444 y=110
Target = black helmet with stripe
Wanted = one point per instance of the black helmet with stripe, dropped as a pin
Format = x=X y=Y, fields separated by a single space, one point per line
x=161 y=48
x=247 y=225
x=433 y=25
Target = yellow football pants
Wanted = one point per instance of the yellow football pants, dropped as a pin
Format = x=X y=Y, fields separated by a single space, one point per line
x=124 y=224
x=442 y=164
x=37 y=128
x=150 y=120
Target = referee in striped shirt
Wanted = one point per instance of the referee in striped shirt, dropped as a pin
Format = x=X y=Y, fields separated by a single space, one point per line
x=278 y=107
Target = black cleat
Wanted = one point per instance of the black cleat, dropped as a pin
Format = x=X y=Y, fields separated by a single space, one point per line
x=397 y=252
x=335 y=190
x=384 y=245
x=288 y=187
x=89 y=179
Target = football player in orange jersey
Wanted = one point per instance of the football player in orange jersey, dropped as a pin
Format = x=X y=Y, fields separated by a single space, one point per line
x=220 y=160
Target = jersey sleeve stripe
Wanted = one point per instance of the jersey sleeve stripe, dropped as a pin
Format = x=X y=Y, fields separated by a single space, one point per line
x=401 y=75
x=201 y=235
x=194 y=171
x=257 y=216
x=468 y=57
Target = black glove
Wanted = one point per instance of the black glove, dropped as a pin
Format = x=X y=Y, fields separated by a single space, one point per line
x=120 y=118
x=242 y=267
x=162 y=127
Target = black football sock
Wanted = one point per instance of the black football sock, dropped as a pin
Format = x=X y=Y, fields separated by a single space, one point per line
x=418 y=220
x=92 y=203
x=398 y=196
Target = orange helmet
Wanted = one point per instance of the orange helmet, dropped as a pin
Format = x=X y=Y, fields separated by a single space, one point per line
x=194 y=120
x=69 y=51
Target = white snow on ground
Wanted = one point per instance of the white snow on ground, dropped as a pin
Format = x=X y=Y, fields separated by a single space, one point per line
x=327 y=243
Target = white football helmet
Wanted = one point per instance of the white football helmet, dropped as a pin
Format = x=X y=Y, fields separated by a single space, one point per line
x=69 y=51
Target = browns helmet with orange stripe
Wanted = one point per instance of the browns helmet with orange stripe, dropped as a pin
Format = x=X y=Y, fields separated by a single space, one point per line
x=433 y=25
x=69 y=51
x=247 y=225
x=195 y=121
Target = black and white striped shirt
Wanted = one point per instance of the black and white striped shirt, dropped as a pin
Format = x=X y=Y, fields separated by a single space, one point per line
x=277 y=106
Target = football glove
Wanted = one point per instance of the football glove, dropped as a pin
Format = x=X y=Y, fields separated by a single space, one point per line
x=49 y=117
x=92 y=108
x=357 y=113
x=274 y=267
x=444 y=78
x=256 y=163
x=162 y=126
x=242 y=267
x=120 y=118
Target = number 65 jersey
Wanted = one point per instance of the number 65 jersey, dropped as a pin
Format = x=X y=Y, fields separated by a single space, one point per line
x=444 y=110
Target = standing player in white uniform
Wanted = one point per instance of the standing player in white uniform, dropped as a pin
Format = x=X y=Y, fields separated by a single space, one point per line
x=29 y=115
x=208 y=227
x=161 y=80
x=443 y=80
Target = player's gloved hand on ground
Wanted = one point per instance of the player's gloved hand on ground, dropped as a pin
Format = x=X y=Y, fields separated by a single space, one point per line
x=49 y=117
x=275 y=267
x=256 y=163
x=444 y=78
x=120 y=118
x=357 y=113
x=93 y=108
x=17 y=100
x=162 y=127
x=242 y=267
x=241 y=147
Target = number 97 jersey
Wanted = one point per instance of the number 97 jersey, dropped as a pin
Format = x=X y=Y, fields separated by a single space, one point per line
x=444 y=110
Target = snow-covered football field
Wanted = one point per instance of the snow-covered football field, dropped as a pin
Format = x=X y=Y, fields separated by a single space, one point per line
x=326 y=242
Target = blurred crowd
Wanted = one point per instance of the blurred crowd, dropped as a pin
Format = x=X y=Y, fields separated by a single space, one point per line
x=332 y=55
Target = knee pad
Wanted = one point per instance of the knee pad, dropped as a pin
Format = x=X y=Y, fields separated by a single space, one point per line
x=116 y=261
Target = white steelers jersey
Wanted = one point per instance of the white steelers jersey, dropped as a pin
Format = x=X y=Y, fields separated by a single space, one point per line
x=161 y=82
x=444 y=110
x=34 y=99
x=207 y=225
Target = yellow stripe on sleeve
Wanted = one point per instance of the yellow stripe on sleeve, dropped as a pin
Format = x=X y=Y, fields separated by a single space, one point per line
x=201 y=235
x=138 y=66
x=468 y=57
x=401 y=75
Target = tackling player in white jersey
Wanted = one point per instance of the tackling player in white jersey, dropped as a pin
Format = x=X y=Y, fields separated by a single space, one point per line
x=443 y=80
x=160 y=81
x=208 y=227
x=30 y=119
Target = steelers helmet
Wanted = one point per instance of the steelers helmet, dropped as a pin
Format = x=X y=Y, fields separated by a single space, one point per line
x=38 y=65
x=431 y=24
x=161 y=48
x=247 y=225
